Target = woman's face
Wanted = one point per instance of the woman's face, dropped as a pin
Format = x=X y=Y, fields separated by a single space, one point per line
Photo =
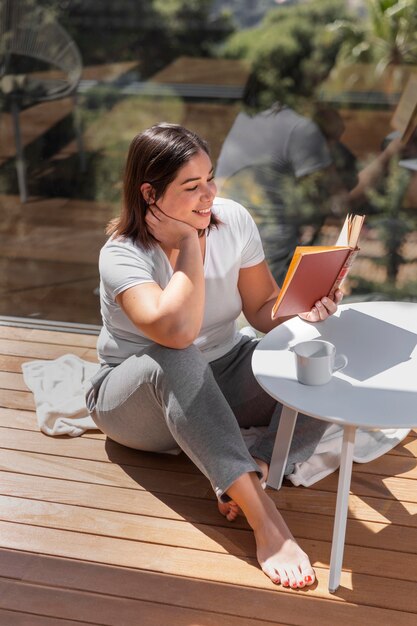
x=190 y=196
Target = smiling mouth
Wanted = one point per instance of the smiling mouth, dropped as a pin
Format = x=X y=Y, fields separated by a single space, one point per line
x=203 y=212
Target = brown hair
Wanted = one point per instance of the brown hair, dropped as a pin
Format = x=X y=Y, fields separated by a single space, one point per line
x=154 y=157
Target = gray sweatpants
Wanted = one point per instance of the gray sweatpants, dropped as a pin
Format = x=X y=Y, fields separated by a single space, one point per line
x=162 y=399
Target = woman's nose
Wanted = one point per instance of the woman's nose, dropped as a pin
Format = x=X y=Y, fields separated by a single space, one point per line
x=209 y=191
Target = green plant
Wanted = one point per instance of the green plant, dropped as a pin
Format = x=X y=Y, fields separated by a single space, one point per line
x=290 y=52
x=386 y=38
x=393 y=223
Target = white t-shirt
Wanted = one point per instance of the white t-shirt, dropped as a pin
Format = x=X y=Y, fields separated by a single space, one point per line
x=235 y=244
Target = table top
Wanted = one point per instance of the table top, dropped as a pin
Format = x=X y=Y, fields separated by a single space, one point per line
x=377 y=388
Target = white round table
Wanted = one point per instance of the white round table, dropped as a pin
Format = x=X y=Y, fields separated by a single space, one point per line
x=377 y=388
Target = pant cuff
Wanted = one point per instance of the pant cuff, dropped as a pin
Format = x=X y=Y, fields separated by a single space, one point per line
x=244 y=469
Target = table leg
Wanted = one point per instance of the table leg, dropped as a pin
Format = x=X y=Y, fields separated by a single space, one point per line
x=281 y=447
x=339 y=529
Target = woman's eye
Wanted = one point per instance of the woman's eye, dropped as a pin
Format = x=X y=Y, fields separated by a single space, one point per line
x=192 y=188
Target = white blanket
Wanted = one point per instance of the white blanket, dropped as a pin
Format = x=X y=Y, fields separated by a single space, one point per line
x=369 y=445
x=59 y=390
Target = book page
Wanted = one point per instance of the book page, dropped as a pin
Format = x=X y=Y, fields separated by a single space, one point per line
x=349 y=234
x=343 y=238
x=355 y=230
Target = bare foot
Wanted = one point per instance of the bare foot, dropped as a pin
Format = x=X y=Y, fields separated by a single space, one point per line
x=230 y=509
x=279 y=555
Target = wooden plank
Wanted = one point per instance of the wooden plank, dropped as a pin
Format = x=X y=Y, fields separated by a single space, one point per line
x=26 y=420
x=207 y=71
x=373 y=485
x=365 y=484
x=12 y=381
x=34 y=350
x=17 y=399
x=87 y=448
x=34 y=122
x=10 y=363
x=167 y=506
x=115 y=474
x=198 y=594
x=394 y=465
x=369 y=504
x=15 y=618
x=319 y=510
x=59 y=244
x=105 y=610
x=60 y=338
x=195 y=564
x=408 y=447
x=382 y=540
x=92 y=449
x=149 y=529
x=366 y=508
x=11 y=418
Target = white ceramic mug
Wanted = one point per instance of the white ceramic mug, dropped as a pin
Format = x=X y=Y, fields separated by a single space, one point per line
x=316 y=361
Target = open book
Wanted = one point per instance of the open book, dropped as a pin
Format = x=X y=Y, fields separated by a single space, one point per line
x=317 y=271
x=405 y=115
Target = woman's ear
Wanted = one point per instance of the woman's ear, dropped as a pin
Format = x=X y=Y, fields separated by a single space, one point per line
x=147 y=192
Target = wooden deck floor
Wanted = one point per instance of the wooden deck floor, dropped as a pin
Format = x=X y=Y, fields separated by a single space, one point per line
x=94 y=533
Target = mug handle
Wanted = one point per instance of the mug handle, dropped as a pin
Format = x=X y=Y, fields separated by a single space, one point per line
x=343 y=361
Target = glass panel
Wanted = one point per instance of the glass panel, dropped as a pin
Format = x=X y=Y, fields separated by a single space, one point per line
x=299 y=102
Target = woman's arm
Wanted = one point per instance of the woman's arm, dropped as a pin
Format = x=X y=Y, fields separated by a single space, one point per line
x=259 y=291
x=172 y=316
x=372 y=173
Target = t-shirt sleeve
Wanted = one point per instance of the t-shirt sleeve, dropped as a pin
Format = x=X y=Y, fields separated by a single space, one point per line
x=308 y=151
x=252 y=250
x=121 y=267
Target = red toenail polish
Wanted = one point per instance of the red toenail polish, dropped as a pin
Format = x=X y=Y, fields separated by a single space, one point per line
x=308 y=579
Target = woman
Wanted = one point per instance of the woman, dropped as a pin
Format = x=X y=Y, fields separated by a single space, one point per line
x=177 y=271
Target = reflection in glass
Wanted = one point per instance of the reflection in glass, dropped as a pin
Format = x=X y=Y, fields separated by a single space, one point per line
x=208 y=65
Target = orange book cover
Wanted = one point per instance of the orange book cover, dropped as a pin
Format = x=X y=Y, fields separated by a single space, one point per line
x=317 y=271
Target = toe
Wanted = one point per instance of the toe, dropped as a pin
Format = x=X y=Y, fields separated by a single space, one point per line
x=233 y=511
x=306 y=572
x=230 y=510
x=271 y=573
x=223 y=507
x=284 y=577
x=299 y=578
x=290 y=576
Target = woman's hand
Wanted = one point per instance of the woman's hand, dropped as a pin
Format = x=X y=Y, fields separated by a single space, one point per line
x=323 y=308
x=167 y=230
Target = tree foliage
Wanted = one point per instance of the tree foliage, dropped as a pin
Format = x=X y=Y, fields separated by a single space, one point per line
x=290 y=52
x=388 y=37
x=393 y=223
x=154 y=32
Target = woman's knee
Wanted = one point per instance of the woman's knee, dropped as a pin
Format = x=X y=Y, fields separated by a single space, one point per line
x=173 y=365
x=148 y=373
